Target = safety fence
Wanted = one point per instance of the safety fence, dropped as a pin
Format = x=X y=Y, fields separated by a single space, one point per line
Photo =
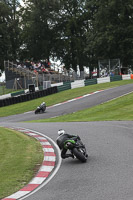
x=65 y=86
x=26 y=95
x=90 y=82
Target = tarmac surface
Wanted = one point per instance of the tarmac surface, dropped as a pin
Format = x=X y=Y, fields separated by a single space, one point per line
x=80 y=103
x=108 y=171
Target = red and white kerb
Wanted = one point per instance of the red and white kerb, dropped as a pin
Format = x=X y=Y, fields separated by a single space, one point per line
x=45 y=169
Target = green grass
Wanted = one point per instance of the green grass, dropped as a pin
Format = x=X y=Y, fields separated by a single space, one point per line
x=4 y=90
x=20 y=157
x=58 y=97
x=115 y=110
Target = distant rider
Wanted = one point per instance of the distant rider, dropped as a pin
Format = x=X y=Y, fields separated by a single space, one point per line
x=63 y=136
x=43 y=106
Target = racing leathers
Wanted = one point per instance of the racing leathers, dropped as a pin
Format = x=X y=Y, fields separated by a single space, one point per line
x=60 y=142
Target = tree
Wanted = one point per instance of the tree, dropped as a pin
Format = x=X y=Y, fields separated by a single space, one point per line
x=111 y=34
x=70 y=31
x=38 y=19
x=4 y=39
x=9 y=30
x=77 y=32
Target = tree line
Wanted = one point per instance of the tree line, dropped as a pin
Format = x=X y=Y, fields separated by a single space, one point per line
x=77 y=32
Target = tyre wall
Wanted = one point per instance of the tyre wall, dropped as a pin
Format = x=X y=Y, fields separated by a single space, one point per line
x=27 y=97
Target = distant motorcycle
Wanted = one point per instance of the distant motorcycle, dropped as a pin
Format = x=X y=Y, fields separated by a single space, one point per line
x=77 y=148
x=41 y=109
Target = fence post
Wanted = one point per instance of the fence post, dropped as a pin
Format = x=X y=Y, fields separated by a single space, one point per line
x=37 y=79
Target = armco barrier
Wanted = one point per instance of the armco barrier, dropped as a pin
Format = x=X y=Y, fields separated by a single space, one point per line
x=77 y=84
x=90 y=82
x=103 y=80
x=66 y=82
x=126 y=77
x=17 y=93
x=65 y=86
x=57 y=88
x=28 y=96
x=116 y=78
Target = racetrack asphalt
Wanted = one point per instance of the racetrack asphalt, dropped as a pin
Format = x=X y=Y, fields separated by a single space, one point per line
x=92 y=99
x=108 y=172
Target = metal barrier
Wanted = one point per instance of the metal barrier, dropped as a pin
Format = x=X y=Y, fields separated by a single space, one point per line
x=115 y=78
x=90 y=82
x=17 y=93
x=23 y=96
x=65 y=86
x=27 y=97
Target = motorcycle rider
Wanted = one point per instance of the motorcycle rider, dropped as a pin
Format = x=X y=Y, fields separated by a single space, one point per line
x=63 y=136
x=41 y=108
x=43 y=105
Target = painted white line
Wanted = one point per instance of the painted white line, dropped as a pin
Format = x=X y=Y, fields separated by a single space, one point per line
x=71 y=100
x=57 y=116
x=117 y=97
x=75 y=99
x=86 y=95
x=55 y=105
x=68 y=101
x=96 y=92
x=40 y=138
x=31 y=134
x=29 y=112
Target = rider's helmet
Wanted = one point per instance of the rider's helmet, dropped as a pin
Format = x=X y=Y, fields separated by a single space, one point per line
x=61 y=132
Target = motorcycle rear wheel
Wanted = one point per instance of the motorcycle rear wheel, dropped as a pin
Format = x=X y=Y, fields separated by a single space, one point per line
x=79 y=155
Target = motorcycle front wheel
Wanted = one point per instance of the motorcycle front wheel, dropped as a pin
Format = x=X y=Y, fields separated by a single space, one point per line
x=79 y=155
x=37 y=111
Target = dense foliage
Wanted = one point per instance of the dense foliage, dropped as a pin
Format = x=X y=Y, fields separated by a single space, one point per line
x=77 y=32
x=9 y=30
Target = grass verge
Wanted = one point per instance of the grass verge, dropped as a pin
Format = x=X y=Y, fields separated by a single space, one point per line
x=58 y=97
x=20 y=158
x=120 y=109
x=4 y=90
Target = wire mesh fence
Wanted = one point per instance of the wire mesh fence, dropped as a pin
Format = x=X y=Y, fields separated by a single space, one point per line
x=19 y=78
x=4 y=90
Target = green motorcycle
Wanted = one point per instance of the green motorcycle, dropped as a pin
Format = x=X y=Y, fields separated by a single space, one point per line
x=77 y=148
